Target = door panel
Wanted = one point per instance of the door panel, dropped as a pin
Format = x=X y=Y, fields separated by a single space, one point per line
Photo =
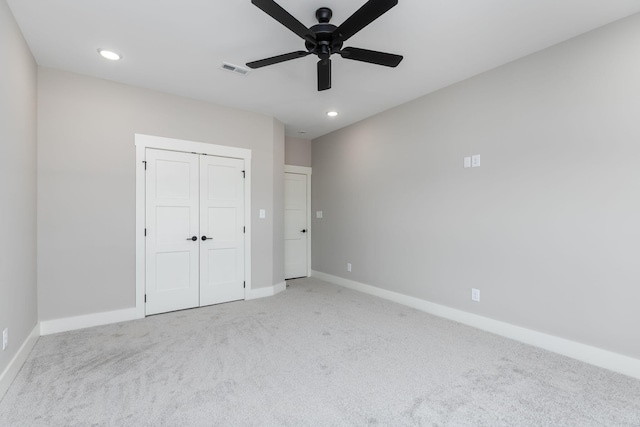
x=295 y=221
x=173 y=223
x=173 y=271
x=171 y=219
x=222 y=222
x=173 y=178
x=222 y=178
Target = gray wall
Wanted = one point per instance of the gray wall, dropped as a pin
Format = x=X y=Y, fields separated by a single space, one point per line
x=278 y=202
x=297 y=151
x=18 y=80
x=548 y=228
x=86 y=184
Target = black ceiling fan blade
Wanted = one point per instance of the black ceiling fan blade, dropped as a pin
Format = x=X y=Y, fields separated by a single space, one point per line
x=277 y=59
x=371 y=56
x=324 y=74
x=362 y=17
x=276 y=11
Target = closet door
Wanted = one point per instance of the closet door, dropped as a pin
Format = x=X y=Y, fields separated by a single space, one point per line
x=221 y=229
x=172 y=222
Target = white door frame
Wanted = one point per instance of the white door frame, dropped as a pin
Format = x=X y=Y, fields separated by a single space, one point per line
x=303 y=170
x=142 y=142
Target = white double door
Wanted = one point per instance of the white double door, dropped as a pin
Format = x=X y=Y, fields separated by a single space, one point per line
x=194 y=230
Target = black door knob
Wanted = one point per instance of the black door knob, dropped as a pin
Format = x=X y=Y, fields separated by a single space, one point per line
x=304 y=231
x=194 y=238
x=205 y=238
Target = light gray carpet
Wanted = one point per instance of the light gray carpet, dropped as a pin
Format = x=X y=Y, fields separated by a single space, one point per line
x=314 y=355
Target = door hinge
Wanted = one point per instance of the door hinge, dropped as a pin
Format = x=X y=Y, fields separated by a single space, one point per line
x=243 y=174
x=145 y=297
x=145 y=232
x=145 y=164
x=244 y=229
x=244 y=285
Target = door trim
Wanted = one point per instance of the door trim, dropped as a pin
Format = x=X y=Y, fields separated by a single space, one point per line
x=142 y=142
x=303 y=170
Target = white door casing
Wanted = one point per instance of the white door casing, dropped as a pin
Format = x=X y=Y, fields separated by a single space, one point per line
x=144 y=142
x=222 y=230
x=172 y=220
x=296 y=222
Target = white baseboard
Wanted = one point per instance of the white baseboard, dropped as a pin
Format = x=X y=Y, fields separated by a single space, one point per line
x=267 y=291
x=585 y=353
x=279 y=287
x=10 y=372
x=49 y=327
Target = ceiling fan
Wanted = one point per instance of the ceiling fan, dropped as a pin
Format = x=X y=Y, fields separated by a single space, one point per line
x=325 y=39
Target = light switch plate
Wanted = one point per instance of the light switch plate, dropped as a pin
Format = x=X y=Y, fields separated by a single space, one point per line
x=263 y=214
x=475 y=161
x=467 y=162
x=318 y=214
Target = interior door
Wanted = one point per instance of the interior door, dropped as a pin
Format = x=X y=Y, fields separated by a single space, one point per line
x=295 y=225
x=221 y=229
x=172 y=216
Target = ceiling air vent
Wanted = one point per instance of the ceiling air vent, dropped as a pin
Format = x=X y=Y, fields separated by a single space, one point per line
x=234 y=69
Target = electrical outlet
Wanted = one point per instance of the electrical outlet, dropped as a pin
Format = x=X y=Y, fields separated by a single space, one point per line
x=5 y=338
x=349 y=267
x=475 y=295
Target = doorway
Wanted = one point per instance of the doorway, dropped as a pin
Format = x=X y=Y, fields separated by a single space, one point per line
x=297 y=221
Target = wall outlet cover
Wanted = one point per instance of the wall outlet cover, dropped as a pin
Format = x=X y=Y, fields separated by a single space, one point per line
x=475 y=294
x=318 y=214
x=475 y=161
x=467 y=162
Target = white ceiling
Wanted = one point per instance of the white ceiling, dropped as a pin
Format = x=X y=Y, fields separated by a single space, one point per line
x=178 y=46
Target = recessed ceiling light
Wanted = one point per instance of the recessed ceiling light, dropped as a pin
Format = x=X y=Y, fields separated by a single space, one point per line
x=332 y=113
x=109 y=54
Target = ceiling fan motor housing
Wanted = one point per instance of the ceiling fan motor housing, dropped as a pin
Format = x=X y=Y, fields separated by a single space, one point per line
x=323 y=33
